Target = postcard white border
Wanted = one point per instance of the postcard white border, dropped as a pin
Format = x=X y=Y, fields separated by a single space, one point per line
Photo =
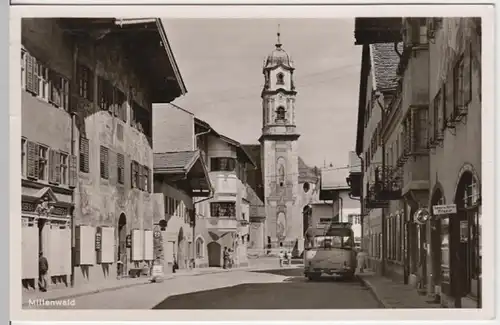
x=240 y=11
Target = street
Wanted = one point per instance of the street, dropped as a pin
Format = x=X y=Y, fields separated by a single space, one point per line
x=270 y=288
x=294 y=292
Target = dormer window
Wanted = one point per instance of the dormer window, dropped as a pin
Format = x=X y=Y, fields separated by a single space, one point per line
x=280 y=79
x=280 y=113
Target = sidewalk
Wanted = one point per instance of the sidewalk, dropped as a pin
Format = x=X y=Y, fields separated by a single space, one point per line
x=117 y=284
x=392 y=294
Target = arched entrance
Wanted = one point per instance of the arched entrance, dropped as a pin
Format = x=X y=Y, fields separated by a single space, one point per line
x=181 y=254
x=465 y=250
x=214 y=254
x=122 y=245
x=439 y=236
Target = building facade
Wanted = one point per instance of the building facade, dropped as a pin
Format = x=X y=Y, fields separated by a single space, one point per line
x=454 y=136
x=180 y=182
x=93 y=142
x=433 y=111
x=222 y=218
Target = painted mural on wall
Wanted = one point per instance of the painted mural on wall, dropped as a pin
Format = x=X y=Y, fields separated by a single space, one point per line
x=281 y=225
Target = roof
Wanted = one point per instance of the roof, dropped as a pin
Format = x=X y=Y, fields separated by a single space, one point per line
x=334 y=179
x=385 y=62
x=242 y=153
x=306 y=173
x=180 y=161
x=369 y=30
x=256 y=205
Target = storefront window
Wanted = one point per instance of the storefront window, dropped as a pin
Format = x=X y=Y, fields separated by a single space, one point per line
x=445 y=250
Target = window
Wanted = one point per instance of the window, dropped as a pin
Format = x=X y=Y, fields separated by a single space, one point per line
x=120 y=164
x=85 y=82
x=199 y=247
x=147 y=180
x=84 y=155
x=134 y=174
x=23 y=157
x=120 y=101
x=42 y=76
x=282 y=175
x=280 y=79
x=59 y=90
x=280 y=113
x=105 y=93
x=223 y=209
x=43 y=153
x=63 y=168
x=104 y=162
x=222 y=164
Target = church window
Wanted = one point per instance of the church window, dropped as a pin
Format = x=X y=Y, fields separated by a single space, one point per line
x=280 y=113
x=306 y=187
x=282 y=175
x=280 y=79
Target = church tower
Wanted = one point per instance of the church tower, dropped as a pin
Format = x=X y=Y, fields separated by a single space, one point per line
x=279 y=152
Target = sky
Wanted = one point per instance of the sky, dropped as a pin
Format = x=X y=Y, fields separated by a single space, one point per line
x=221 y=61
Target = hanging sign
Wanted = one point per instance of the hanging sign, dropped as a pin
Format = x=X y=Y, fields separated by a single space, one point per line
x=444 y=209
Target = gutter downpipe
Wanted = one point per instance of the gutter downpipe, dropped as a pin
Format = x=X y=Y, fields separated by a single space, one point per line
x=72 y=153
x=384 y=228
x=362 y=201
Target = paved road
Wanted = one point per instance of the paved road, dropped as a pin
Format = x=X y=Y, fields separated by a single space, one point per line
x=293 y=292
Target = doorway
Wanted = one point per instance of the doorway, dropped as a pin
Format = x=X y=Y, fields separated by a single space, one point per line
x=214 y=254
x=122 y=245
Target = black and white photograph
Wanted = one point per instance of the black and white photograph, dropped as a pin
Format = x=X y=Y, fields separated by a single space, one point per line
x=257 y=163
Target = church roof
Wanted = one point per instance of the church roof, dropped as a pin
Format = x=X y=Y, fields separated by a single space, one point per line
x=278 y=57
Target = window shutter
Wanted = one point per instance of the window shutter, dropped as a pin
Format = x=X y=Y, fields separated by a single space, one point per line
x=30 y=77
x=467 y=75
x=113 y=167
x=142 y=176
x=32 y=159
x=72 y=171
x=52 y=166
x=84 y=154
x=150 y=180
x=57 y=167
x=449 y=100
x=36 y=84
x=132 y=174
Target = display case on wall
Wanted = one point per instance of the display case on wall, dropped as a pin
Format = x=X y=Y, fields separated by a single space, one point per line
x=85 y=245
x=105 y=238
x=137 y=250
x=148 y=245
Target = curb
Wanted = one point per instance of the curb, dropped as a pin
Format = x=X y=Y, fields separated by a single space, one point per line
x=170 y=277
x=374 y=292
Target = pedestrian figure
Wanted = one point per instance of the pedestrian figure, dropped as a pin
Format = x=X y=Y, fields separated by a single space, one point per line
x=289 y=257
x=43 y=268
x=360 y=257
x=281 y=257
x=175 y=266
x=225 y=256
x=230 y=258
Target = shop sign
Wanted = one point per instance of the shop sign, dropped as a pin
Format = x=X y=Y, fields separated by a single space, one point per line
x=444 y=209
x=98 y=241
x=464 y=231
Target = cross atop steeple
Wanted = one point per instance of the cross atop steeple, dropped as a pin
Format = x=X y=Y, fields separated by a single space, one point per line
x=278 y=44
